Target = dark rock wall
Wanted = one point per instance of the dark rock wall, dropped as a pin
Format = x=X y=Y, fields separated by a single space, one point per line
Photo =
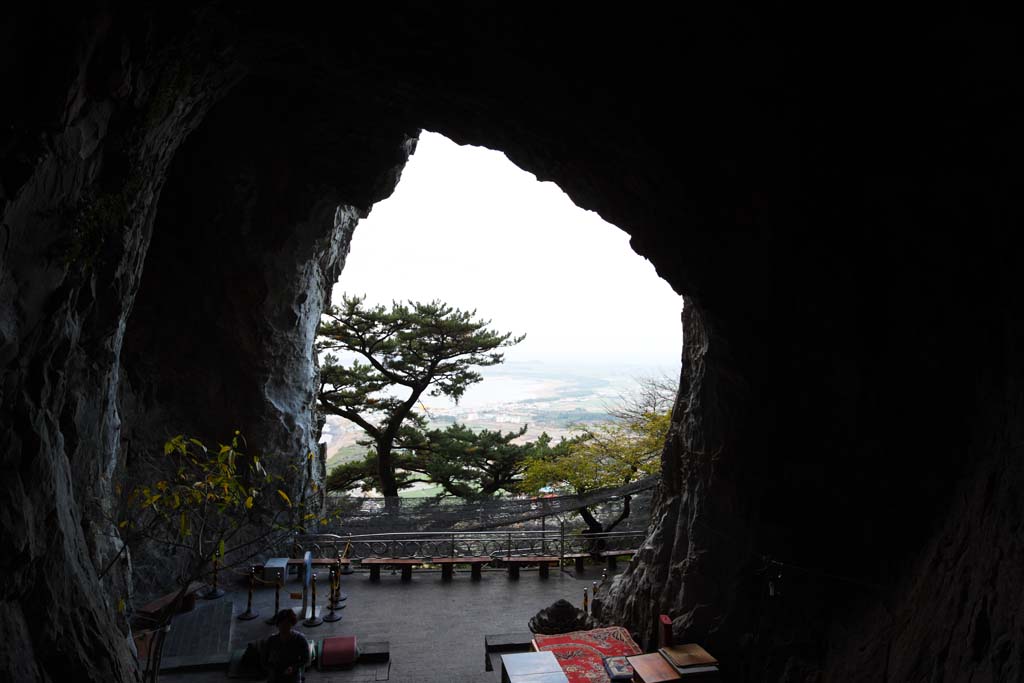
x=252 y=232
x=837 y=204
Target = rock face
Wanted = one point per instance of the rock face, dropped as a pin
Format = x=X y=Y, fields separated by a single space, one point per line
x=837 y=207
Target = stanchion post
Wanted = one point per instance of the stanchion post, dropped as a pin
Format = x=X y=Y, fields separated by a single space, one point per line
x=586 y=602
x=561 y=545
x=249 y=612
x=339 y=597
x=347 y=569
x=332 y=615
x=277 y=598
x=312 y=619
x=214 y=592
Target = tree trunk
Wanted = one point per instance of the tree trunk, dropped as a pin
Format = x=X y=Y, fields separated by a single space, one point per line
x=386 y=470
x=593 y=527
x=623 y=515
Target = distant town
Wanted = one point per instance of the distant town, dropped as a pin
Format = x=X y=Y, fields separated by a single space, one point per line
x=547 y=396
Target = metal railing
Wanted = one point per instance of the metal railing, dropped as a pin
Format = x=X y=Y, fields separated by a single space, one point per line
x=437 y=544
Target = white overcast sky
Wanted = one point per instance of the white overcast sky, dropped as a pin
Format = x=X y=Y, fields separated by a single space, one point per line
x=467 y=226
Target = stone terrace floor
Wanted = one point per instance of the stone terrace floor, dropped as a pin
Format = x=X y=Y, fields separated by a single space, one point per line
x=436 y=629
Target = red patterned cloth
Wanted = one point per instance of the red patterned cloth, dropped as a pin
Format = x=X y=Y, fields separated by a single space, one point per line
x=581 y=653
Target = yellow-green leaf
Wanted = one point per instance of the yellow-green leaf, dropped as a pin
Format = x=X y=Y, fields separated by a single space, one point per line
x=122 y=524
x=248 y=503
x=285 y=497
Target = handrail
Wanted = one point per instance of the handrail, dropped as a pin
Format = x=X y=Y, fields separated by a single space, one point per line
x=447 y=534
x=464 y=543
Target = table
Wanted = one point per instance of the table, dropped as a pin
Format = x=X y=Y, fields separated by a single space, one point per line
x=531 y=667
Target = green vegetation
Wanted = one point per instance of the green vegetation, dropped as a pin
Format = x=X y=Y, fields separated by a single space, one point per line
x=458 y=460
x=210 y=504
x=609 y=454
x=410 y=348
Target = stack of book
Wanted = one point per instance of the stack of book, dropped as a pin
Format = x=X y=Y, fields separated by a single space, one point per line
x=692 y=662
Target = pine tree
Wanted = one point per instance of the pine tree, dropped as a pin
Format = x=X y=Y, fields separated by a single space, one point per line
x=397 y=355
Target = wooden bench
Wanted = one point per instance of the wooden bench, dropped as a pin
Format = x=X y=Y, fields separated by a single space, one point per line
x=448 y=565
x=613 y=555
x=543 y=563
x=405 y=563
x=578 y=559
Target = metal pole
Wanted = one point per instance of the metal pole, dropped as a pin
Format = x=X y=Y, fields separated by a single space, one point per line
x=508 y=549
x=332 y=615
x=561 y=551
x=313 y=619
x=249 y=612
x=277 y=600
x=214 y=592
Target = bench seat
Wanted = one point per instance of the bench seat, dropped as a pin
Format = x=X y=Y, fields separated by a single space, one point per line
x=448 y=565
x=514 y=562
x=406 y=564
x=613 y=555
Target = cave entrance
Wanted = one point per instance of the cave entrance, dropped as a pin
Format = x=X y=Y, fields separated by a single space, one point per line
x=467 y=227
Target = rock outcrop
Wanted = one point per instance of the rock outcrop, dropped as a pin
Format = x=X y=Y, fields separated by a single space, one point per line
x=837 y=206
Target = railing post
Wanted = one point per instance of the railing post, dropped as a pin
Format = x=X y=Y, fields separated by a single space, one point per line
x=561 y=545
x=508 y=548
x=453 y=545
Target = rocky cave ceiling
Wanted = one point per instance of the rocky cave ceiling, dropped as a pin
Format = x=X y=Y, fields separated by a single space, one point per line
x=838 y=201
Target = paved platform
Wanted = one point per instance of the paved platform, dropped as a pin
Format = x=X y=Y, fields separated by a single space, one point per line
x=202 y=636
x=436 y=628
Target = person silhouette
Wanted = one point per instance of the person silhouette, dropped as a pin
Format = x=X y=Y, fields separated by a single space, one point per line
x=287 y=651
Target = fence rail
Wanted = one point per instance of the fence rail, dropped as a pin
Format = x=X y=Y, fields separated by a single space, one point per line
x=378 y=515
x=437 y=544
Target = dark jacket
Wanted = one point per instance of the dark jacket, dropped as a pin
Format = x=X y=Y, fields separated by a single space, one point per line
x=280 y=653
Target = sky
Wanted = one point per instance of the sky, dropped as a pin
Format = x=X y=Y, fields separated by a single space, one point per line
x=467 y=226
